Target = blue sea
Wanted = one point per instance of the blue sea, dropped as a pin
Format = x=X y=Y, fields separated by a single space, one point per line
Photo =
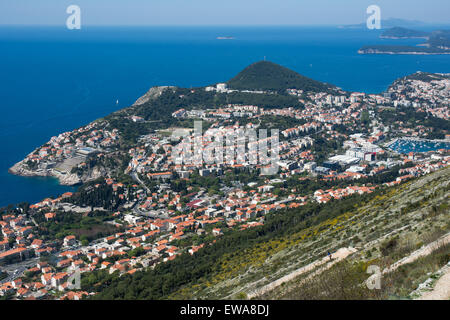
x=54 y=80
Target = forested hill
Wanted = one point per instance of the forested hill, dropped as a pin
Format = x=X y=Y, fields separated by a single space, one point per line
x=158 y=104
x=265 y=75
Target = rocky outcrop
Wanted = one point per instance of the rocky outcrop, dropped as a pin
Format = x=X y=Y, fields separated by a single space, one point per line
x=69 y=179
x=20 y=170
x=95 y=173
x=64 y=178
x=151 y=94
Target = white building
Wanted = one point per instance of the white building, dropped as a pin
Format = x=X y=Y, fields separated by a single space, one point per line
x=221 y=87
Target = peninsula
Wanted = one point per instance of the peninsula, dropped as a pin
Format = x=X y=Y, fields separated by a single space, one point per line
x=438 y=42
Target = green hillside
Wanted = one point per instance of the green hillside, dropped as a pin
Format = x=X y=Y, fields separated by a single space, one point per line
x=265 y=75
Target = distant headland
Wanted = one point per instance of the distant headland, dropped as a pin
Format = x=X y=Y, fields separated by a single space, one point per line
x=438 y=42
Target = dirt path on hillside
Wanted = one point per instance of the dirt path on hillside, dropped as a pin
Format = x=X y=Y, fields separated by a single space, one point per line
x=422 y=252
x=337 y=256
x=441 y=290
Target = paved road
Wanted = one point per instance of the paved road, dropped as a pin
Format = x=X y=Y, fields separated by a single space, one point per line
x=16 y=270
x=136 y=178
x=136 y=209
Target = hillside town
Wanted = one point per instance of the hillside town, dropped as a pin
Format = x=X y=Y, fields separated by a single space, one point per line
x=67 y=152
x=431 y=96
x=337 y=146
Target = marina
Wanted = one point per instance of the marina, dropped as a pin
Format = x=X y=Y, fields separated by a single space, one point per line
x=407 y=145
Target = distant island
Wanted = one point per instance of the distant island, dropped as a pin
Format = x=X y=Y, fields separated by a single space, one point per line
x=404 y=33
x=438 y=42
x=389 y=23
x=395 y=49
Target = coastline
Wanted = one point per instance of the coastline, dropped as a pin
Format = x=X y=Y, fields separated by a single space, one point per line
x=403 y=38
x=375 y=51
x=72 y=179
x=64 y=179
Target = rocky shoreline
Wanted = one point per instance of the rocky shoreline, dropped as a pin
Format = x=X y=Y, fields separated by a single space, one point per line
x=64 y=178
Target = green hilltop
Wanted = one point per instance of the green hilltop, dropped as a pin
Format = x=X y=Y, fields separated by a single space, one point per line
x=269 y=76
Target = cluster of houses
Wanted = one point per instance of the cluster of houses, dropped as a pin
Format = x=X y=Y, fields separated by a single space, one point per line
x=18 y=242
x=324 y=196
x=47 y=281
x=427 y=96
x=77 y=144
x=423 y=167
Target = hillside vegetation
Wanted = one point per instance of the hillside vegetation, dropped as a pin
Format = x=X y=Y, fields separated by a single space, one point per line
x=422 y=218
x=265 y=75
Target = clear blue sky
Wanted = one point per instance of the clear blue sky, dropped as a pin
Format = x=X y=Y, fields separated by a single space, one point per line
x=219 y=12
